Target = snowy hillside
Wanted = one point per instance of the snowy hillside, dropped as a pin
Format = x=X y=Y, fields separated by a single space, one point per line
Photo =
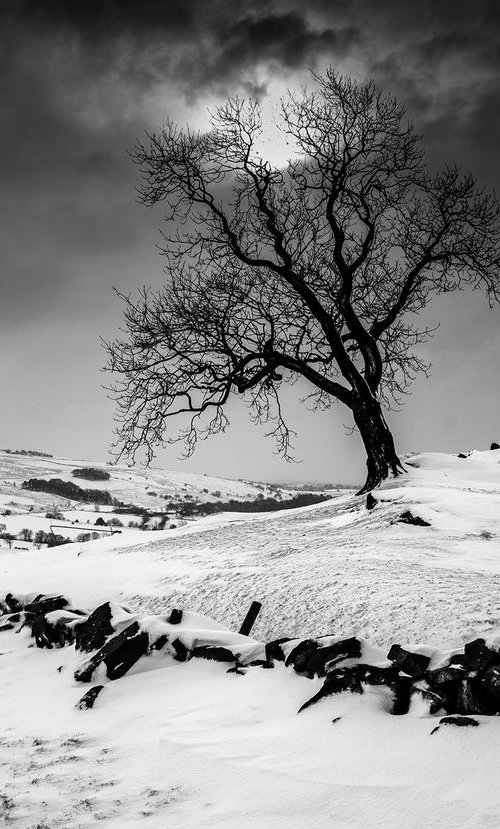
x=143 y=487
x=163 y=494
x=190 y=745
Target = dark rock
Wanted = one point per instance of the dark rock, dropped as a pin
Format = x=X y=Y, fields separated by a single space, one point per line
x=48 y=635
x=121 y=660
x=46 y=604
x=236 y=669
x=478 y=656
x=491 y=681
x=12 y=603
x=413 y=664
x=274 y=651
x=342 y=679
x=449 y=673
x=160 y=643
x=408 y=518
x=175 y=617
x=373 y=675
x=93 y=632
x=459 y=721
x=259 y=663
x=371 y=502
x=336 y=719
x=317 y=663
x=461 y=455
x=473 y=698
x=301 y=653
x=494 y=446
x=458 y=659
x=437 y=700
x=181 y=651
x=402 y=689
x=14 y=617
x=118 y=654
x=6 y=626
x=88 y=699
x=215 y=652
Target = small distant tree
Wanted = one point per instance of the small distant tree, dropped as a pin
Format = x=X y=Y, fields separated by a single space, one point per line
x=55 y=514
x=9 y=538
x=317 y=270
x=26 y=534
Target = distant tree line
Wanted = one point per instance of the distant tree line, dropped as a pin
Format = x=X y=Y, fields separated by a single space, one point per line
x=31 y=452
x=260 y=504
x=67 y=489
x=90 y=473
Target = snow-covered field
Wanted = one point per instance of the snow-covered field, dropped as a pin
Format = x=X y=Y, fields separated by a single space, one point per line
x=188 y=745
x=148 y=488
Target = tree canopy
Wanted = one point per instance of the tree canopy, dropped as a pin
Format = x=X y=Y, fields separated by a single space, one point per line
x=316 y=269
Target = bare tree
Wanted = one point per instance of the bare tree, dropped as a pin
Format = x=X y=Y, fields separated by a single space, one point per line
x=315 y=271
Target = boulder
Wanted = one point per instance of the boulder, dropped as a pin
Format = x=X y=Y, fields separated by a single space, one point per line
x=175 y=617
x=437 y=700
x=88 y=699
x=374 y=675
x=478 y=656
x=46 y=604
x=494 y=446
x=181 y=650
x=6 y=626
x=474 y=698
x=118 y=654
x=300 y=654
x=446 y=674
x=402 y=689
x=458 y=721
x=407 y=517
x=413 y=664
x=93 y=632
x=13 y=603
x=319 y=659
x=371 y=502
x=48 y=635
x=260 y=663
x=491 y=681
x=214 y=652
x=337 y=681
x=159 y=643
x=274 y=651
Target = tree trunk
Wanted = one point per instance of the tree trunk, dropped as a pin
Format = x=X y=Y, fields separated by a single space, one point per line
x=382 y=459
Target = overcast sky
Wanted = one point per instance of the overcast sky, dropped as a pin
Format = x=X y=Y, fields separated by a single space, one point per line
x=80 y=79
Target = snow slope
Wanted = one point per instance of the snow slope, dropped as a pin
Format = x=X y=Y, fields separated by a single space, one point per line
x=188 y=745
x=143 y=487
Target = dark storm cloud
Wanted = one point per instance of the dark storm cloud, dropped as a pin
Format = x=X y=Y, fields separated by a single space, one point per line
x=200 y=43
x=75 y=76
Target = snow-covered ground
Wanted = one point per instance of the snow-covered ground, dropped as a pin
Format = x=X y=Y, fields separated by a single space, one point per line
x=188 y=745
x=149 y=488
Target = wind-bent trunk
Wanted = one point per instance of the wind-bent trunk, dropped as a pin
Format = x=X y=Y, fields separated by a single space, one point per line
x=382 y=459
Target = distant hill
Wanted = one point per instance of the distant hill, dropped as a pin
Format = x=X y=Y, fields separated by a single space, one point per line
x=148 y=488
